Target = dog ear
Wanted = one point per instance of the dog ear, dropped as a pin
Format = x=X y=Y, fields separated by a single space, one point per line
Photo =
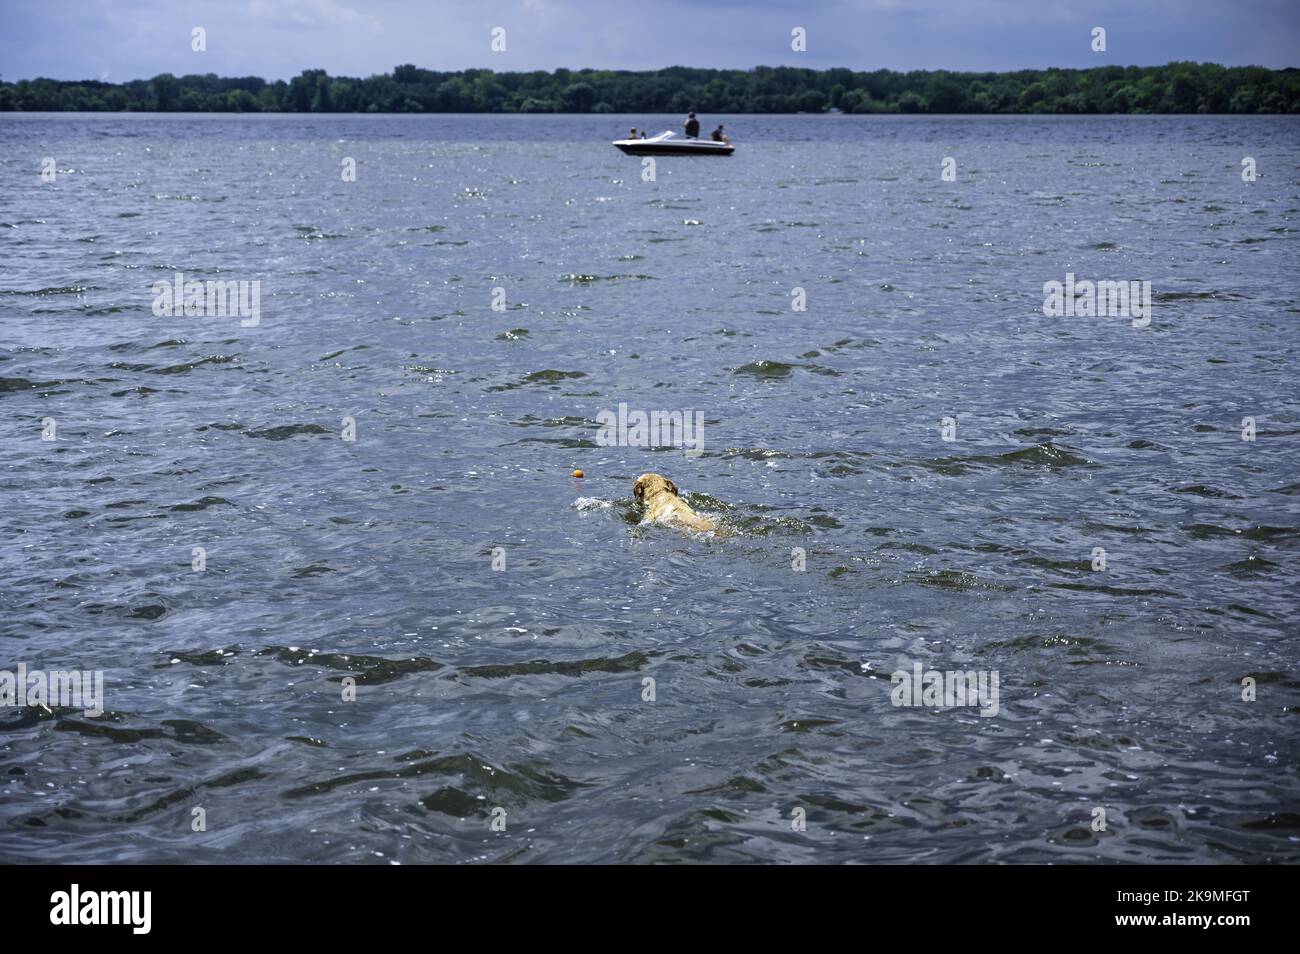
x=672 y=487
x=638 y=489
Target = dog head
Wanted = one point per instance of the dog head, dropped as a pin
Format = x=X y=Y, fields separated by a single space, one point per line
x=649 y=485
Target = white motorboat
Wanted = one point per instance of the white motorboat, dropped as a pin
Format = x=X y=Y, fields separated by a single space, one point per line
x=667 y=144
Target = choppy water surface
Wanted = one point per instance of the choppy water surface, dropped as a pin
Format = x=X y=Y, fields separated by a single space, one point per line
x=523 y=689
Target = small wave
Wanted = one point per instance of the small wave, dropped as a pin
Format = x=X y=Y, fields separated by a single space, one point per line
x=286 y=431
x=369 y=670
x=548 y=376
x=766 y=369
x=174 y=368
x=632 y=662
x=23 y=384
x=1202 y=490
x=52 y=290
x=312 y=233
x=574 y=278
x=1199 y=296
x=1050 y=456
x=203 y=503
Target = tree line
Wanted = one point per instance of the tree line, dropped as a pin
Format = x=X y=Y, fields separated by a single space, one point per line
x=1174 y=88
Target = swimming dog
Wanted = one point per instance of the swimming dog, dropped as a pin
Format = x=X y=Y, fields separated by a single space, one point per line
x=662 y=505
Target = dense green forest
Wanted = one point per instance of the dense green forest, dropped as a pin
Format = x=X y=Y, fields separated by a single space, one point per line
x=1176 y=88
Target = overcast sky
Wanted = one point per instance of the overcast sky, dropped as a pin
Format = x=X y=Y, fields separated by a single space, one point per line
x=120 y=40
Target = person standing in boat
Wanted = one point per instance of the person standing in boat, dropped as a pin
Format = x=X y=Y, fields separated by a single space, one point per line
x=692 y=126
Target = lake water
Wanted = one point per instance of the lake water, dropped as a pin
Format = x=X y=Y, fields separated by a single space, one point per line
x=518 y=696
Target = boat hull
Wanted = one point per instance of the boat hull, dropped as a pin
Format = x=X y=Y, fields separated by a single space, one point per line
x=647 y=147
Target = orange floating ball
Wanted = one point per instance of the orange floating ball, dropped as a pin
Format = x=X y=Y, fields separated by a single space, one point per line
x=578 y=473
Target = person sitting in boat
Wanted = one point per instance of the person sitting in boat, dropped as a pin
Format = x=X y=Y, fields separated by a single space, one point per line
x=633 y=135
x=692 y=126
x=642 y=136
x=719 y=135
